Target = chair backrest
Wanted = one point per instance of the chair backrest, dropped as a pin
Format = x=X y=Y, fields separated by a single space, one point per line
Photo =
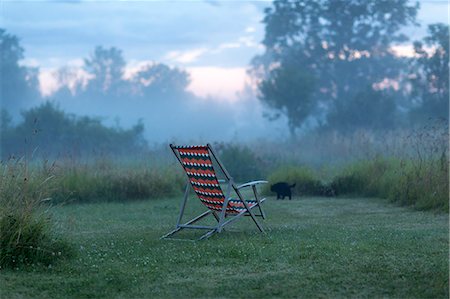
x=198 y=165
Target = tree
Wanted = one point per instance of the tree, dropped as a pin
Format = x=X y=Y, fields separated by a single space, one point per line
x=344 y=45
x=160 y=80
x=368 y=109
x=288 y=90
x=18 y=84
x=430 y=75
x=106 y=66
x=48 y=131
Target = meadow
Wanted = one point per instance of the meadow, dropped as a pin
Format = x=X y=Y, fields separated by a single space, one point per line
x=372 y=222
x=314 y=247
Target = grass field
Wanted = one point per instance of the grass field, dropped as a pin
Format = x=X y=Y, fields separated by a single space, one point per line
x=315 y=247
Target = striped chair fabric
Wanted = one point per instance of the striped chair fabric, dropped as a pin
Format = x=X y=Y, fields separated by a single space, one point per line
x=197 y=163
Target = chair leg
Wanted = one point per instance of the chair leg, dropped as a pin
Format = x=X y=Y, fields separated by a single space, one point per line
x=263 y=215
x=215 y=216
x=253 y=216
x=249 y=211
x=171 y=233
x=208 y=234
x=180 y=226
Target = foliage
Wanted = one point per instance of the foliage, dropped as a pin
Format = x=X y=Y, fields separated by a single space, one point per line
x=362 y=178
x=106 y=82
x=288 y=90
x=26 y=235
x=50 y=132
x=241 y=162
x=423 y=185
x=18 y=84
x=107 y=67
x=159 y=80
x=429 y=75
x=345 y=45
x=305 y=180
x=368 y=110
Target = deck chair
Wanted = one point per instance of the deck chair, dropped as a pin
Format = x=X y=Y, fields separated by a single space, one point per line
x=197 y=161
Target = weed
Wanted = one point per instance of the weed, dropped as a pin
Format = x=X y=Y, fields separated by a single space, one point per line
x=26 y=236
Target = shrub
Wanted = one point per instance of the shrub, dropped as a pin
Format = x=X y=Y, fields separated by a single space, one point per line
x=304 y=178
x=26 y=236
x=26 y=239
x=57 y=133
x=241 y=162
x=422 y=184
x=361 y=178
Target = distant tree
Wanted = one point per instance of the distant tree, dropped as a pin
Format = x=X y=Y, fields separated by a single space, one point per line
x=430 y=75
x=368 y=109
x=49 y=131
x=159 y=80
x=288 y=91
x=343 y=45
x=18 y=84
x=69 y=83
x=5 y=119
x=106 y=66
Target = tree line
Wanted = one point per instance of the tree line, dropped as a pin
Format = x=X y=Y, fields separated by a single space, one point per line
x=31 y=123
x=330 y=65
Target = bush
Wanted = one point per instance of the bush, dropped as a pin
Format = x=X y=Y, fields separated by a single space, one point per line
x=57 y=133
x=25 y=229
x=304 y=178
x=361 y=178
x=420 y=183
x=26 y=239
x=241 y=162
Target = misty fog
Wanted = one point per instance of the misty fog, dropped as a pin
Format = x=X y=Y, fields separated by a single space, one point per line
x=218 y=71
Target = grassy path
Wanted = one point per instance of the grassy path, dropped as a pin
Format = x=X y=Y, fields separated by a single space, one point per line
x=316 y=247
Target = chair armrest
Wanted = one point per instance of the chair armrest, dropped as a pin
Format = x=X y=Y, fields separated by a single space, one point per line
x=251 y=184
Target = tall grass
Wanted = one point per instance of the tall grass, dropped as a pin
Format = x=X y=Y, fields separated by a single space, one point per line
x=423 y=185
x=409 y=167
x=305 y=179
x=26 y=235
x=105 y=180
x=419 y=177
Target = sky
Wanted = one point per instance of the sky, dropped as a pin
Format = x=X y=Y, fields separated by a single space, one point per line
x=213 y=40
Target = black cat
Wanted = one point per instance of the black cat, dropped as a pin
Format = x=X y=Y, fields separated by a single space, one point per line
x=282 y=189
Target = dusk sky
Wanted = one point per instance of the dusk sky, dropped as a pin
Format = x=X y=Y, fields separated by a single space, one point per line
x=213 y=40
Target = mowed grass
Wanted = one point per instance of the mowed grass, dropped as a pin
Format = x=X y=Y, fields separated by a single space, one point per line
x=314 y=247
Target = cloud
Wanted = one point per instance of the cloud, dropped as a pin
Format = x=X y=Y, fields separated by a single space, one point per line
x=250 y=29
x=193 y=55
x=188 y=56
x=229 y=46
x=217 y=82
x=144 y=30
x=48 y=83
x=407 y=50
x=72 y=75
